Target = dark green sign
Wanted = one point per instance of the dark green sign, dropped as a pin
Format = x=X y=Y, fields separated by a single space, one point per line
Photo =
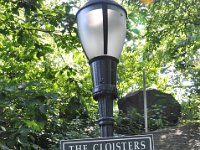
x=140 y=142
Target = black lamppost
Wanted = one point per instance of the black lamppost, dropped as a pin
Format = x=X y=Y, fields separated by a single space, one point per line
x=102 y=31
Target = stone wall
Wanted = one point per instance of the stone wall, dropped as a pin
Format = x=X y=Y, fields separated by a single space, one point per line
x=182 y=137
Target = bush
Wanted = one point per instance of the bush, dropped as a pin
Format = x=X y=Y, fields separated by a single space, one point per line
x=156 y=118
x=128 y=124
x=191 y=110
x=133 y=122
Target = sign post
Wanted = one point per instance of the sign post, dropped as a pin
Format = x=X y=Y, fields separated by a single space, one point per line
x=140 y=142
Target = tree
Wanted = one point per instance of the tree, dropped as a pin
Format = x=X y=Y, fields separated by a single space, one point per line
x=43 y=72
x=161 y=36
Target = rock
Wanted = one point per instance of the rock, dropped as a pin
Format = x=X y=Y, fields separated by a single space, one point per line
x=170 y=107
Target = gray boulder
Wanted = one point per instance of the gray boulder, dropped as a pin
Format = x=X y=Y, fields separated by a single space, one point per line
x=170 y=107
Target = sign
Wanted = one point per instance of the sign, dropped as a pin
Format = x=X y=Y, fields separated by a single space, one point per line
x=140 y=142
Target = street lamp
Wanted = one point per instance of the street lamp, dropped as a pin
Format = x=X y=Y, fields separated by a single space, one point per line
x=102 y=31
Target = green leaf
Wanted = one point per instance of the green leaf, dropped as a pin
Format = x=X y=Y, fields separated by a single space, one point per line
x=3 y=128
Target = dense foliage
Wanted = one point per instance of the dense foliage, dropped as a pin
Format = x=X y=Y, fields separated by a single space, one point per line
x=45 y=83
x=133 y=122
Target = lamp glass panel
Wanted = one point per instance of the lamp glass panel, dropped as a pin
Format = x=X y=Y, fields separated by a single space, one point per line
x=90 y=26
x=116 y=30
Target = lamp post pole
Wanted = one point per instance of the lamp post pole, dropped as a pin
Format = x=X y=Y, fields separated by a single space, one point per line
x=102 y=31
x=106 y=120
x=105 y=91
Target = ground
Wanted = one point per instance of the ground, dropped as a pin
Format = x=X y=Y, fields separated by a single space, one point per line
x=181 y=137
